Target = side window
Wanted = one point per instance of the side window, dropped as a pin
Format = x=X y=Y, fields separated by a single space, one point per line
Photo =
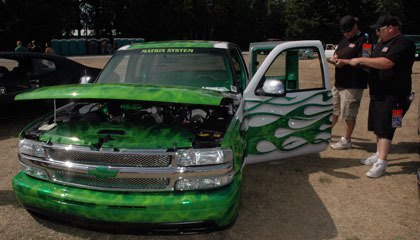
x=261 y=55
x=299 y=69
x=240 y=72
x=43 y=66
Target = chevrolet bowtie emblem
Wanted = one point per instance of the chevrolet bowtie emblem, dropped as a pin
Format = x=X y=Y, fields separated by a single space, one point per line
x=102 y=172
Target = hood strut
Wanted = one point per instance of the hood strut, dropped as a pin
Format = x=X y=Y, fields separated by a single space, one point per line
x=55 y=110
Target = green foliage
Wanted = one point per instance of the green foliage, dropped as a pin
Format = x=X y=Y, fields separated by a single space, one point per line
x=393 y=7
x=240 y=21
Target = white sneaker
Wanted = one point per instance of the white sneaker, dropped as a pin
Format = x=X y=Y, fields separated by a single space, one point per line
x=370 y=160
x=377 y=170
x=343 y=144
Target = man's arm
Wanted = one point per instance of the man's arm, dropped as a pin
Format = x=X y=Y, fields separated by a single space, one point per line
x=378 y=63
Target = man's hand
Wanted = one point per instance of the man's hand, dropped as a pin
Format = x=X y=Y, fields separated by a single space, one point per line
x=342 y=62
x=355 y=62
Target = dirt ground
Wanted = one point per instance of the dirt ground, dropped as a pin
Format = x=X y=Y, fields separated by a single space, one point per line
x=318 y=196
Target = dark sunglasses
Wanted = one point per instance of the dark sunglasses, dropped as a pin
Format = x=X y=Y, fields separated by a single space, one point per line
x=380 y=29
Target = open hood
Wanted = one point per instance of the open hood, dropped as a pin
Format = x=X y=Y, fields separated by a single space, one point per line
x=131 y=92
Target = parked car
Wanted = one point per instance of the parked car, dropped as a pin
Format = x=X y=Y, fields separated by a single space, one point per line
x=159 y=141
x=330 y=50
x=25 y=71
x=306 y=54
x=416 y=40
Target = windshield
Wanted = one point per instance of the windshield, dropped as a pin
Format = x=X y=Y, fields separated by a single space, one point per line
x=194 y=67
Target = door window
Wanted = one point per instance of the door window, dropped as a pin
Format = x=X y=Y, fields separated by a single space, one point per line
x=43 y=66
x=300 y=69
x=288 y=103
x=239 y=68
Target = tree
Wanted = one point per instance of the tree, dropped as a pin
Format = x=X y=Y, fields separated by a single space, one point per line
x=36 y=20
x=307 y=19
x=412 y=17
x=240 y=21
x=274 y=25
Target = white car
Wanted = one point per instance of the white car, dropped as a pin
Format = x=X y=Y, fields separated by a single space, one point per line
x=329 y=50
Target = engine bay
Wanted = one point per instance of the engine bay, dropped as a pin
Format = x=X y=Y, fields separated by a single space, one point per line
x=206 y=123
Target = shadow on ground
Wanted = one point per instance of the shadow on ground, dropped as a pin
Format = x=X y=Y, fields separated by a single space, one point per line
x=7 y=197
x=11 y=126
x=279 y=194
x=396 y=148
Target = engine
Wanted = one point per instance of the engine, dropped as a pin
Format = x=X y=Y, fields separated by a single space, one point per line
x=207 y=123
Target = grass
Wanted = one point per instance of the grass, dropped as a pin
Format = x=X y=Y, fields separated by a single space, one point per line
x=353 y=238
x=325 y=180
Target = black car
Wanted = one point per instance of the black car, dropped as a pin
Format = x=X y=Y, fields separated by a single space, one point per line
x=416 y=40
x=25 y=71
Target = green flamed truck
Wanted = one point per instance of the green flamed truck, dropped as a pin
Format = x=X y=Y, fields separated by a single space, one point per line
x=159 y=140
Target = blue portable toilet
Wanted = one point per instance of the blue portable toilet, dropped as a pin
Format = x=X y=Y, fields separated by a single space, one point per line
x=103 y=42
x=81 y=46
x=72 y=47
x=117 y=43
x=139 y=40
x=64 y=46
x=55 y=44
x=125 y=41
x=92 y=47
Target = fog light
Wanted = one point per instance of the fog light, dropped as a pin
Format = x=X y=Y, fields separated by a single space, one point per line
x=207 y=182
x=35 y=172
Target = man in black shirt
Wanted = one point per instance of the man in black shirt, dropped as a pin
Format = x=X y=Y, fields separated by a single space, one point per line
x=389 y=87
x=349 y=81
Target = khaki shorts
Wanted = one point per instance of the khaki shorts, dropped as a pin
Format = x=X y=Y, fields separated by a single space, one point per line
x=346 y=102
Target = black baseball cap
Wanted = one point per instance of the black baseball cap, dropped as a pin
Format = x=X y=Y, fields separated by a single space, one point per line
x=346 y=23
x=385 y=20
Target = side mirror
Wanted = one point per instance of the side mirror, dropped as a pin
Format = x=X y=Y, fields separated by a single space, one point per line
x=35 y=83
x=272 y=87
x=85 y=79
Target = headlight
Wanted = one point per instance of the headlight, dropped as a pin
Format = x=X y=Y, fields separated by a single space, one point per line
x=31 y=148
x=203 y=182
x=199 y=157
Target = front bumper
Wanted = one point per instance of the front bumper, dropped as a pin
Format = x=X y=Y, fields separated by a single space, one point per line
x=217 y=208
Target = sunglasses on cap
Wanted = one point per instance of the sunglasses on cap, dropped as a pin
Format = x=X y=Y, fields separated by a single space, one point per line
x=380 y=29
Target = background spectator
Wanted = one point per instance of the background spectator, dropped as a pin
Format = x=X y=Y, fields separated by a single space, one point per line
x=19 y=47
x=48 y=48
x=35 y=47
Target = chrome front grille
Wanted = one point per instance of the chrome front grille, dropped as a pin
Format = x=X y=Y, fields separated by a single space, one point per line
x=110 y=183
x=145 y=170
x=116 y=159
